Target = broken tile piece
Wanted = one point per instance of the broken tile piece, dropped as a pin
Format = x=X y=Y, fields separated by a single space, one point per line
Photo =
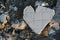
x=39 y=19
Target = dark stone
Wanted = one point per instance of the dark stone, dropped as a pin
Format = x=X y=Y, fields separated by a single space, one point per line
x=8 y=29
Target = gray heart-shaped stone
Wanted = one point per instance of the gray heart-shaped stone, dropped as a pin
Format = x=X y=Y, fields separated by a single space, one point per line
x=39 y=19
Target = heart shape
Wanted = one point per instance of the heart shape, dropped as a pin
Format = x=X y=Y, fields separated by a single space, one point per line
x=39 y=19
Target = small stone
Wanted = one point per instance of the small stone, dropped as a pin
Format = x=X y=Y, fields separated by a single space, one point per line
x=1 y=26
x=21 y=25
x=1 y=38
x=15 y=8
x=8 y=29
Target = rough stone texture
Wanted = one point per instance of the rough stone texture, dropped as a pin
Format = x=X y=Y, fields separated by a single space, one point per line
x=39 y=19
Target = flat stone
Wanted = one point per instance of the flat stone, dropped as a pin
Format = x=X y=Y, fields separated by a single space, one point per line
x=39 y=19
x=3 y=17
x=21 y=25
x=1 y=38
